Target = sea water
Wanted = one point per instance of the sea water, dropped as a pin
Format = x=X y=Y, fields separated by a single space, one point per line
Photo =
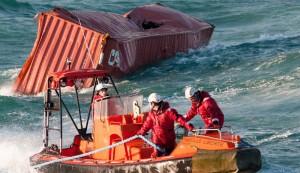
x=251 y=67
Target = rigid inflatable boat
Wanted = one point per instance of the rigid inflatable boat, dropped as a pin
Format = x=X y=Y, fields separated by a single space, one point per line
x=120 y=44
x=105 y=137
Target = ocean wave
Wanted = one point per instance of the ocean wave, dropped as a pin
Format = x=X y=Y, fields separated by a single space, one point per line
x=274 y=61
x=7 y=79
x=283 y=135
x=13 y=5
x=6 y=90
x=16 y=146
x=278 y=136
x=266 y=41
x=11 y=73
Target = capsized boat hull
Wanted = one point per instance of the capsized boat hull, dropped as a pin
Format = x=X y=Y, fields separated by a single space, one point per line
x=234 y=160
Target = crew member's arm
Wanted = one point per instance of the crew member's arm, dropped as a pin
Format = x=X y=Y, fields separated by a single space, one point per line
x=179 y=119
x=191 y=113
x=212 y=114
x=146 y=126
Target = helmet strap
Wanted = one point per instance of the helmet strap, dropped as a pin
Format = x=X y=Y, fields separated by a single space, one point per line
x=197 y=96
x=157 y=105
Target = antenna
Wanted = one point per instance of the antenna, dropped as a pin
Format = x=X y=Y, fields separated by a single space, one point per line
x=69 y=61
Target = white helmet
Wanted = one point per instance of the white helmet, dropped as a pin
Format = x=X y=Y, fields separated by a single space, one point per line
x=101 y=86
x=189 y=92
x=154 y=97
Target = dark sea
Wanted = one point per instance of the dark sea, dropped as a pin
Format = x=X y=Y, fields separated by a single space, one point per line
x=251 y=67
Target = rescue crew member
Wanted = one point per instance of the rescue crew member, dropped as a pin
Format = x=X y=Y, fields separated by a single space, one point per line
x=160 y=120
x=101 y=92
x=204 y=105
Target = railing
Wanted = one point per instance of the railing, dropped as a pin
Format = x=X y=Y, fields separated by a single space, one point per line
x=203 y=131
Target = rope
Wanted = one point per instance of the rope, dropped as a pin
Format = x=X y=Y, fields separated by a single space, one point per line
x=86 y=154
x=153 y=145
x=101 y=149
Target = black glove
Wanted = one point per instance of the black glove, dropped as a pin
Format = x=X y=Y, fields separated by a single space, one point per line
x=191 y=127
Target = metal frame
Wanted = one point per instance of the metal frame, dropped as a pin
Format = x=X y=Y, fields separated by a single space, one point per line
x=47 y=112
x=198 y=132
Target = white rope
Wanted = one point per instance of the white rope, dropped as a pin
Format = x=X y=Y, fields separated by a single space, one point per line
x=152 y=144
x=86 y=154
x=98 y=150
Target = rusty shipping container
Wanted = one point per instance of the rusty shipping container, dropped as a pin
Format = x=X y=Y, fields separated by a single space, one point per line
x=117 y=43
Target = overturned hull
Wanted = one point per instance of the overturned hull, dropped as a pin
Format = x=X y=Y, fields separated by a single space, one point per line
x=120 y=44
x=237 y=160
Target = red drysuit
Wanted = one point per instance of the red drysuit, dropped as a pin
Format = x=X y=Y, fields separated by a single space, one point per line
x=207 y=108
x=161 y=123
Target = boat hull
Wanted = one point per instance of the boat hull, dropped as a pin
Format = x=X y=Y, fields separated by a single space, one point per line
x=174 y=165
x=235 y=160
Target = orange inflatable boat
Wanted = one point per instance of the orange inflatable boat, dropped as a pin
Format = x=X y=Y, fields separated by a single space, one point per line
x=105 y=137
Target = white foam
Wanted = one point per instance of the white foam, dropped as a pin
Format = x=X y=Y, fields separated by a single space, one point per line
x=6 y=90
x=283 y=135
x=7 y=85
x=274 y=61
x=16 y=147
x=11 y=73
